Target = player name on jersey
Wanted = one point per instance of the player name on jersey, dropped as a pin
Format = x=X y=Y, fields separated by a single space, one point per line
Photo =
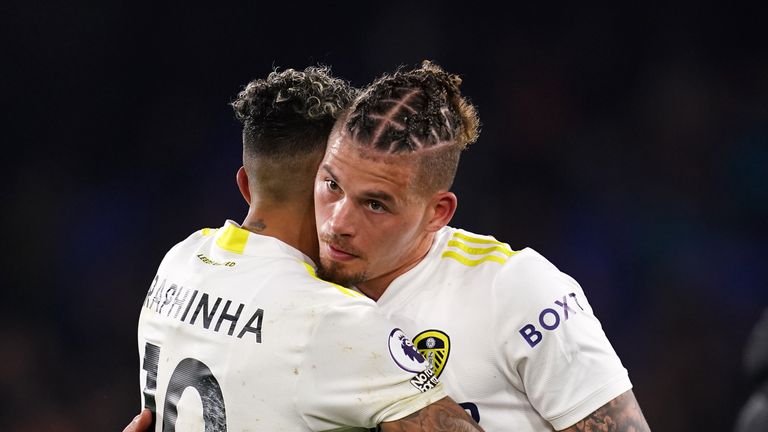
x=199 y=309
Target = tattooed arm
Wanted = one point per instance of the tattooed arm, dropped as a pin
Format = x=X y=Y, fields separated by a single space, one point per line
x=443 y=415
x=622 y=414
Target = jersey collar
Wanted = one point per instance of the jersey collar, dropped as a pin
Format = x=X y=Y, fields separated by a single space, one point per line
x=425 y=266
x=235 y=239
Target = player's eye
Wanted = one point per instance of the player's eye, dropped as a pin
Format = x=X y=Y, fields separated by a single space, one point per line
x=332 y=185
x=376 y=206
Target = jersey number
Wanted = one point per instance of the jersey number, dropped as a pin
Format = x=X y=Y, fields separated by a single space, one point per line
x=188 y=373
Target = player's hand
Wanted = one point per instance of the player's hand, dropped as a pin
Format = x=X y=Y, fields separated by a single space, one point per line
x=140 y=423
x=443 y=415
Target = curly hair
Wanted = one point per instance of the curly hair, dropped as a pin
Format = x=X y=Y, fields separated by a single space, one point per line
x=412 y=111
x=291 y=111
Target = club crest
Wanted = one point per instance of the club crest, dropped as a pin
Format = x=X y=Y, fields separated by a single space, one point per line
x=435 y=346
x=404 y=353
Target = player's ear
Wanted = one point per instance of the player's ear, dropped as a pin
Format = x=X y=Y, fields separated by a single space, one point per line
x=242 y=184
x=441 y=210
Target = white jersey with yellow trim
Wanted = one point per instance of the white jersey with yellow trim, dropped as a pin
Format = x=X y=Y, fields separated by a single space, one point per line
x=237 y=333
x=512 y=338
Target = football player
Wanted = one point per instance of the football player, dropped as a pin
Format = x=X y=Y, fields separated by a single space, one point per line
x=513 y=339
x=237 y=333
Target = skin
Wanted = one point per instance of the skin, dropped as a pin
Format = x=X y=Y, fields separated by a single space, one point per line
x=290 y=220
x=441 y=416
x=293 y=223
x=622 y=414
x=140 y=423
x=373 y=226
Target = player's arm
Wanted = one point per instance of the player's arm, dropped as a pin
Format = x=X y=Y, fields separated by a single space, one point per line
x=443 y=415
x=619 y=415
x=561 y=344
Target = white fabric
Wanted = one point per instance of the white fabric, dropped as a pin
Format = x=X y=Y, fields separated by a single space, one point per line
x=482 y=295
x=323 y=361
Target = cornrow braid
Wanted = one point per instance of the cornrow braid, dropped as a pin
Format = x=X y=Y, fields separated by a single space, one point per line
x=412 y=110
x=419 y=112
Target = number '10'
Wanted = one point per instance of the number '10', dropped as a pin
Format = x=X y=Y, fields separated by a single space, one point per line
x=188 y=373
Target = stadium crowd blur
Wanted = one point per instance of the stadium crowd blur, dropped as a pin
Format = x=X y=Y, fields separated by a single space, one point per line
x=628 y=145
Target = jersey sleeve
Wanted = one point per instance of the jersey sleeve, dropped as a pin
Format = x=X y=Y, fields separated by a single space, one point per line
x=361 y=370
x=553 y=346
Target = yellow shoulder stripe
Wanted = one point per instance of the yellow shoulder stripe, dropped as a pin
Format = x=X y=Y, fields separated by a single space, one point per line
x=473 y=262
x=208 y=231
x=477 y=240
x=344 y=290
x=472 y=256
x=480 y=251
x=233 y=239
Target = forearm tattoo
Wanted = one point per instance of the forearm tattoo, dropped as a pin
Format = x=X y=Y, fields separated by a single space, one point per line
x=622 y=414
x=443 y=415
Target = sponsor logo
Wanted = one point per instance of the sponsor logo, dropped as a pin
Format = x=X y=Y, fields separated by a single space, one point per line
x=210 y=261
x=550 y=319
x=404 y=353
x=435 y=346
x=425 y=380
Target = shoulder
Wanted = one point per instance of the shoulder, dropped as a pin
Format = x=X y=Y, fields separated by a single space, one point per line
x=532 y=280
x=192 y=241
x=471 y=256
x=471 y=259
x=332 y=287
x=333 y=296
x=471 y=250
x=474 y=254
x=515 y=280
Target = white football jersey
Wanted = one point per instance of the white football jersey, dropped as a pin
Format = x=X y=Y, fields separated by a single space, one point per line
x=512 y=338
x=237 y=333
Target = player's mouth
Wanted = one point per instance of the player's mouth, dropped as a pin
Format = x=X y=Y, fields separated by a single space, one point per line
x=336 y=253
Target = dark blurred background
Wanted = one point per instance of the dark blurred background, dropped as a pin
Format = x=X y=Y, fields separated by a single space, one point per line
x=629 y=145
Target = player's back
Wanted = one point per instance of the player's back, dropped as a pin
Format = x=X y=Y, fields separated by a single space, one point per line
x=236 y=333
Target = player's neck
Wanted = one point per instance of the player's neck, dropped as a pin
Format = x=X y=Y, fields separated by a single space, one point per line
x=291 y=224
x=375 y=287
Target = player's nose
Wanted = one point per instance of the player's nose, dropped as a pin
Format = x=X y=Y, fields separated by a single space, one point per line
x=342 y=218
